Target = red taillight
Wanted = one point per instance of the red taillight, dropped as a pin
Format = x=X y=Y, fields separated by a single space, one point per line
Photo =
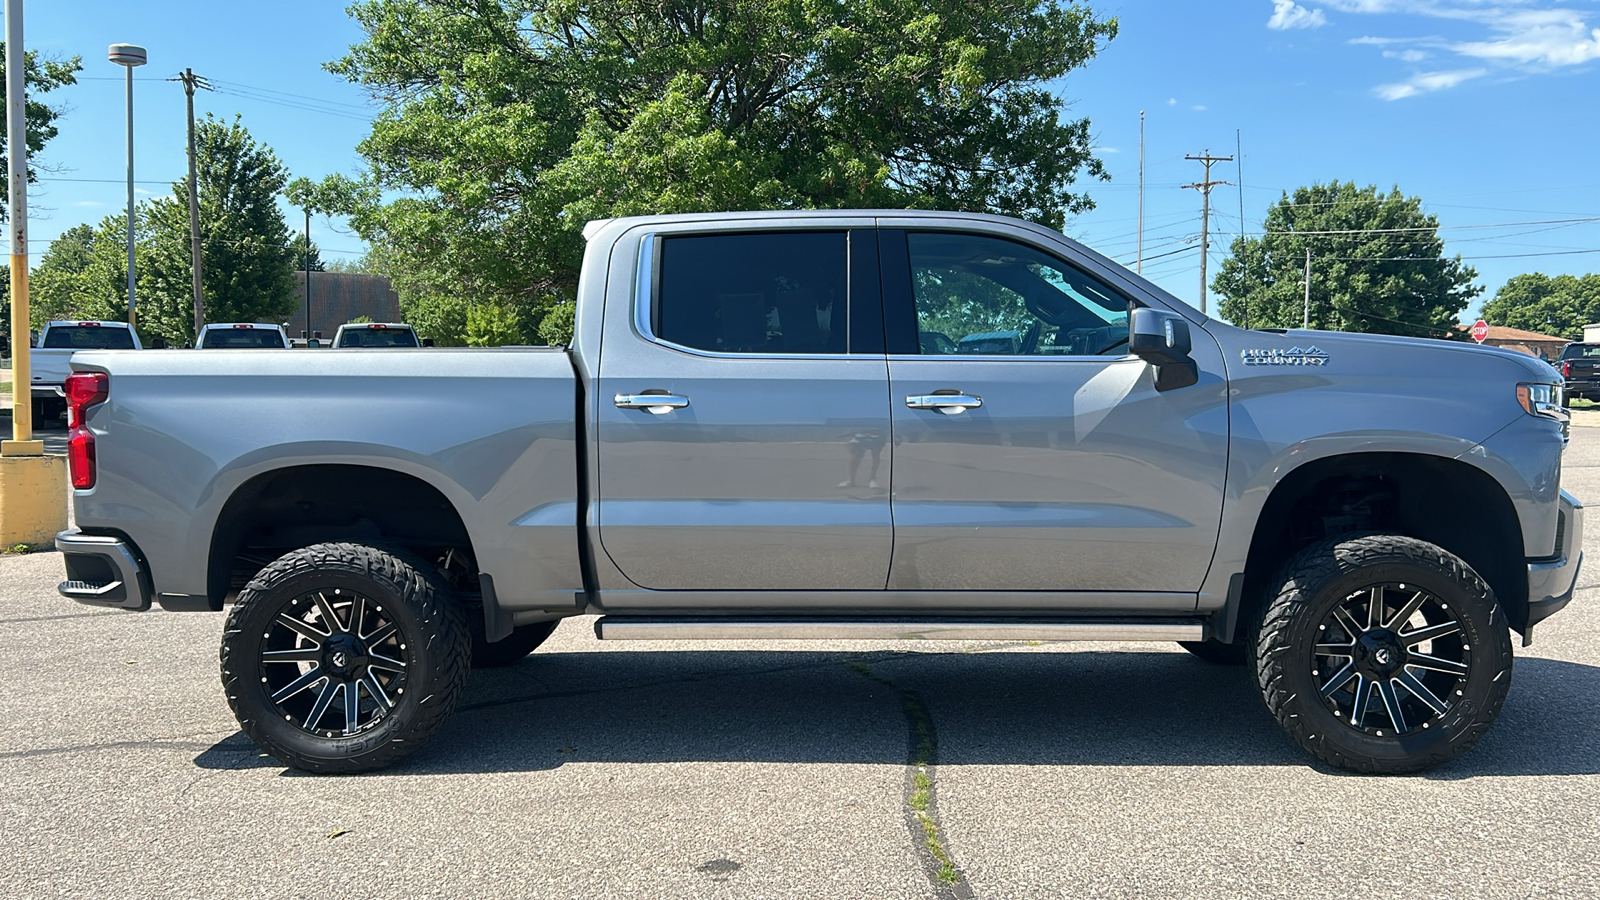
x=244 y=326
x=1566 y=368
x=83 y=389
x=377 y=326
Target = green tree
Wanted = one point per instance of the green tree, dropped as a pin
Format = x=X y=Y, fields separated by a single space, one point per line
x=1377 y=265
x=558 y=325
x=1537 y=302
x=492 y=325
x=61 y=286
x=510 y=123
x=41 y=77
x=248 y=255
x=84 y=273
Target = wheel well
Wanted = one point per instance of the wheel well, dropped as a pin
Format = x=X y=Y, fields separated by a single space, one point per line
x=286 y=509
x=1442 y=501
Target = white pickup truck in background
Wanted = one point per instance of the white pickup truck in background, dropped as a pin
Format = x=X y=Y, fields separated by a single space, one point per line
x=241 y=336
x=49 y=362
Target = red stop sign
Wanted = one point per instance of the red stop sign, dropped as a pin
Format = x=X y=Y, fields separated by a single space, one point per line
x=1480 y=330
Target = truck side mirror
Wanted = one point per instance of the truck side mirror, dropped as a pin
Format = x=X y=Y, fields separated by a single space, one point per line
x=158 y=343
x=427 y=342
x=1161 y=339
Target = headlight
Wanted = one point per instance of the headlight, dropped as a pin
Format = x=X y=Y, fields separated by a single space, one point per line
x=1541 y=400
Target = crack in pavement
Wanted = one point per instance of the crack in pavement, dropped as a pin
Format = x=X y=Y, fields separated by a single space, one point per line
x=922 y=811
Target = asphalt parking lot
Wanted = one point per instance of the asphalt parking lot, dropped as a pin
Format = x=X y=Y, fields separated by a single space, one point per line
x=777 y=770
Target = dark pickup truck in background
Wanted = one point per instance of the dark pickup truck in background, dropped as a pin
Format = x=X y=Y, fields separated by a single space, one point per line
x=1580 y=367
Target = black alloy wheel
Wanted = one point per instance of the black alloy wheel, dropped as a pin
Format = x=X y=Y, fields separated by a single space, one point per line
x=1383 y=653
x=333 y=663
x=344 y=657
x=1391 y=659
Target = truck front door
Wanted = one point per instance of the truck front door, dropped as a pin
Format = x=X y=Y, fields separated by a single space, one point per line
x=744 y=414
x=1031 y=452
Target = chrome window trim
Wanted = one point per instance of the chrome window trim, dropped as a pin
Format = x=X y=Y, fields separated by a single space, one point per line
x=644 y=298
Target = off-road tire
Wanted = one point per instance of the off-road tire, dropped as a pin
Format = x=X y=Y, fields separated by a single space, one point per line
x=431 y=633
x=522 y=640
x=1327 y=574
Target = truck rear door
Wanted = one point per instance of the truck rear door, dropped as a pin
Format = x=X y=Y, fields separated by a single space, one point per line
x=743 y=413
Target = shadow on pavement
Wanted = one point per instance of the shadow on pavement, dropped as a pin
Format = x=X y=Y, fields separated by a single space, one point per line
x=990 y=708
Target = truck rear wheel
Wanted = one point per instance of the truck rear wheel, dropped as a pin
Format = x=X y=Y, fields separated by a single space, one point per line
x=1383 y=654
x=343 y=657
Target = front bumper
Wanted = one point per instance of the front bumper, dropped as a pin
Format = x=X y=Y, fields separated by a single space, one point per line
x=1552 y=582
x=102 y=571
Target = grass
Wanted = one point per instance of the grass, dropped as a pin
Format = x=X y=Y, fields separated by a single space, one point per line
x=923 y=757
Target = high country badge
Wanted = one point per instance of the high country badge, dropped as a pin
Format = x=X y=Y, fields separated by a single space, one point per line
x=1294 y=356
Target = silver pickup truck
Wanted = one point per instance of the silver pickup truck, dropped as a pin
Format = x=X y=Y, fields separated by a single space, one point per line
x=773 y=425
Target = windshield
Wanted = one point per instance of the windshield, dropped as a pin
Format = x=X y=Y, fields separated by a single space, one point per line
x=241 y=337
x=87 y=337
x=378 y=337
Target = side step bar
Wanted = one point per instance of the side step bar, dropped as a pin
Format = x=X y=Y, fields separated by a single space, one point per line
x=716 y=628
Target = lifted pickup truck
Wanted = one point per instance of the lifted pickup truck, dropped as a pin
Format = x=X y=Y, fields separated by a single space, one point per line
x=751 y=437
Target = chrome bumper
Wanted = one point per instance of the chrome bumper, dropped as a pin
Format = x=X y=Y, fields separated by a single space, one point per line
x=102 y=571
x=1551 y=582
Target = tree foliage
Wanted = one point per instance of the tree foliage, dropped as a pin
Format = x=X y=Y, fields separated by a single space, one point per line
x=41 y=76
x=1559 y=306
x=248 y=255
x=1377 y=265
x=84 y=273
x=510 y=123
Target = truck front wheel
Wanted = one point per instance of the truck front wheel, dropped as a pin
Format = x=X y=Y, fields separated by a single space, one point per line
x=1383 y=653
x=343 y=658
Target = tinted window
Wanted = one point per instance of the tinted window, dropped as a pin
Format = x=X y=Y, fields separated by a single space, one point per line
x=982 y=295
x=754 y=293
x=1581 y=351
x=88 y=337
x=378 y=337
x=241 y=337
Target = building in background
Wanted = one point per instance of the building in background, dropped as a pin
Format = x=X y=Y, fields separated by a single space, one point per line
x=1545 y=346
x=338 y=297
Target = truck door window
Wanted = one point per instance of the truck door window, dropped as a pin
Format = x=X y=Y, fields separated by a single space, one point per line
x=777 y=292
x=985 y=296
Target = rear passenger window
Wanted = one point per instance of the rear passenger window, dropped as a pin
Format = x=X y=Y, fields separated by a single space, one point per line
x=782 y=292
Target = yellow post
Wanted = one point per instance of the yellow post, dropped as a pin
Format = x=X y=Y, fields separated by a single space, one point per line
x=33 y=487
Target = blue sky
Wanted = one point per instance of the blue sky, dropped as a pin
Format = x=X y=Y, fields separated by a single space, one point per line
x=1483 y=108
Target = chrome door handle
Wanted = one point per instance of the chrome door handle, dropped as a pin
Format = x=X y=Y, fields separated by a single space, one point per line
x=949 y=404
x=658 y=404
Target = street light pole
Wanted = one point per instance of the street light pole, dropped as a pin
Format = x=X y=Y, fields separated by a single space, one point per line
x=129 y=56
x=308 y=274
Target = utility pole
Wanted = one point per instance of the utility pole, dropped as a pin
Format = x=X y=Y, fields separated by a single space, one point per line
x=1139 y=265
x=1305 y=322
x=308 y=273
x=190 y=82
x=1204 y=187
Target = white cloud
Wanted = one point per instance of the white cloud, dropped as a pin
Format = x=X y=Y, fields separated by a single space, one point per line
x=88 y=203
x=1104 y=150
x=1172 y=101
x=141 y=191
x=1549 y=38
x=1519 y=36
x=1198 y=107
x=1288 y=14
x=1426 y=82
